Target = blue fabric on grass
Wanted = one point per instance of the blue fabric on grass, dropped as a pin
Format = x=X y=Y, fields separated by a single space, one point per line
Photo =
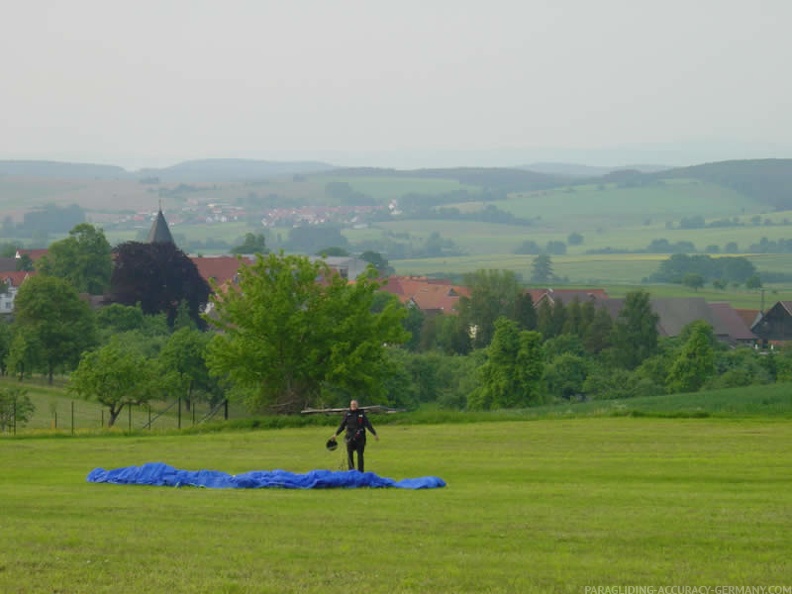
x=163 y=475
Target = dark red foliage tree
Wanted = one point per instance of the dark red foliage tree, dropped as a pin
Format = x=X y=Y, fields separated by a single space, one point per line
x=158 y=276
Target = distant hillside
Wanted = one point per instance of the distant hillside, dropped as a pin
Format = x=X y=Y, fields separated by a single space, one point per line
x=206 y=170
x=768 y=181
x=233 y=170
x=55 y=169
x=578 y=170
x=494 y=178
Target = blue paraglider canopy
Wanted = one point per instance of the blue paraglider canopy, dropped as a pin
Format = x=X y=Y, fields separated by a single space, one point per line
x=163 y=475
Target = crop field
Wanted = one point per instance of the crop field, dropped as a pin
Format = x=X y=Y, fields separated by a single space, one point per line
x=591 y=269
x=529 y=506
x=615 y=206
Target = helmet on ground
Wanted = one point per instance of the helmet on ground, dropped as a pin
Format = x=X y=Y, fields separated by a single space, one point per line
x=331 y=444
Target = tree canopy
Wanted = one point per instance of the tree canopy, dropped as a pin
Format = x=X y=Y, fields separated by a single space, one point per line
x=511 y=374
x=84 y=258
x=158 y=276
x=254 y=243
x=493 y=293
x=635 y=333
x=52 y=320
x=115 y=375
x=293 y=332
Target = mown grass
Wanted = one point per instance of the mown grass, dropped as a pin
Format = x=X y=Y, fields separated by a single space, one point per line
x=773 y=400
x=542 y=506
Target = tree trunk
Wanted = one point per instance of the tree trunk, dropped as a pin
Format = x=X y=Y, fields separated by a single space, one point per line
x=114 y=415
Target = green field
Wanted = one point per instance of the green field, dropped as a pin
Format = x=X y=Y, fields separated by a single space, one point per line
x=530 y=506
x=389 y=188
x=608 y=216
x=609 y=205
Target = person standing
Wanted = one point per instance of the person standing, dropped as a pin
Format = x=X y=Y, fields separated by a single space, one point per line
x=356 y=423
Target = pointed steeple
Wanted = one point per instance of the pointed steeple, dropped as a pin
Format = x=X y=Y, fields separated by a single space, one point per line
x=160 y=232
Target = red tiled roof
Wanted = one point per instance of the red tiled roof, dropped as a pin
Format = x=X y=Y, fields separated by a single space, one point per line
x=32 y=254
x=221 y=269
x=16 y=277
x=426 y=294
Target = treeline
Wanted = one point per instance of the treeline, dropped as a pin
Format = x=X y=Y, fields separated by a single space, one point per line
x=48 y=220
x=728 y=269
x=503 y=351
x=286 y=341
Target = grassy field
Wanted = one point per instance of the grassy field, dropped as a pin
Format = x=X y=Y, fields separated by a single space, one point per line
x=56 y=410
x=383 y=189
x=530 y=506
x=610 y=205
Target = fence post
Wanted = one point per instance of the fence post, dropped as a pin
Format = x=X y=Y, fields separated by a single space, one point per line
x=14 y=416
x=225 y=410
x=149 y=415
x=130 y=416
x=179 y=414
x=72 y=417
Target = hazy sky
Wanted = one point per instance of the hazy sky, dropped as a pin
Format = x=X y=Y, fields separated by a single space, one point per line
x=402 y=83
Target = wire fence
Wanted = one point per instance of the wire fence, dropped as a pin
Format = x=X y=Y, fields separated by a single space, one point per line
x=74 y=416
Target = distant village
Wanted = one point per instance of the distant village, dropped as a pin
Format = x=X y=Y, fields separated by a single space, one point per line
x=196 y=212
x=441 y=297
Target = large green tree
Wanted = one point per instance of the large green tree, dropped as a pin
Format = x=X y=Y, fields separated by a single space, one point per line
x=293 y=330
x=183 y=358
x=115 y=375
x=51 y=317
x=566 y=374
x=84 y=258
x=493 y=293
x=634 y=335
x=695 y=361
x=597 y=335
x=514 y=367
x=542 y=269
x=254 y=243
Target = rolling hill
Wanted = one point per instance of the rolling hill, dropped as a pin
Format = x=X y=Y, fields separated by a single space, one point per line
x=740 y=203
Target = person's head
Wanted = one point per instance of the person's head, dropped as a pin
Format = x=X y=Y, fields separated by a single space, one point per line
x=353 y=405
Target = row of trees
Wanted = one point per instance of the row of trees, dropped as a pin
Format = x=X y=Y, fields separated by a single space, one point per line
x=284 y=340
x=292 y=333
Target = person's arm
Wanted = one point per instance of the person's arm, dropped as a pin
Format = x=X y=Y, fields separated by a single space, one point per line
x=367 y=424
x=340 y=428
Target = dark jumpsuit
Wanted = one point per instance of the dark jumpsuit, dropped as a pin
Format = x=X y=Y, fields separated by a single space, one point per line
x=355 y=422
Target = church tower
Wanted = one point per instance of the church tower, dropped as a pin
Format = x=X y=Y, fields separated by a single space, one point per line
x=160 y=232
